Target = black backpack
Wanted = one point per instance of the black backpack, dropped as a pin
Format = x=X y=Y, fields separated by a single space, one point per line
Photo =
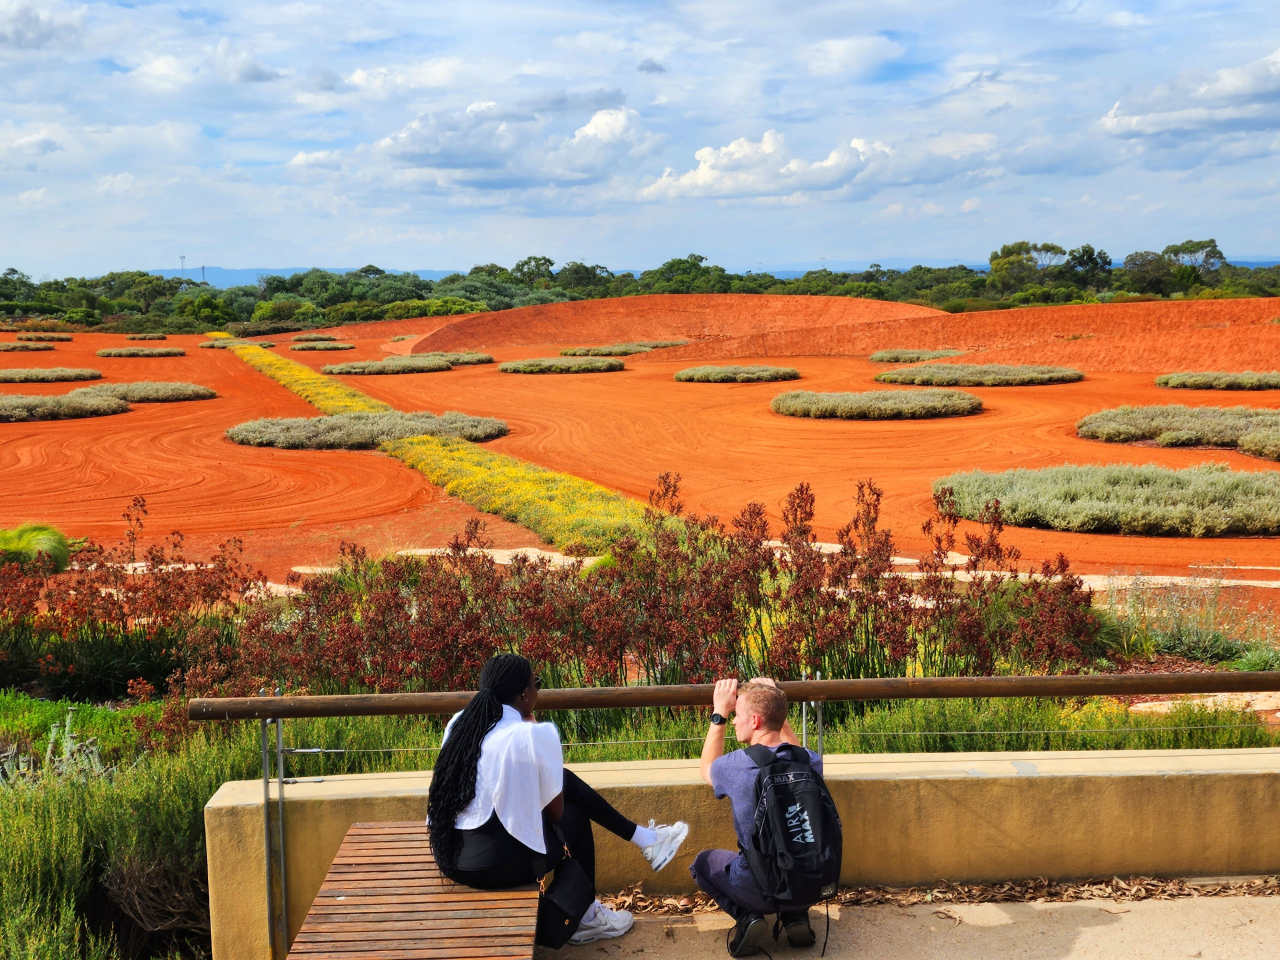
x=796 y=840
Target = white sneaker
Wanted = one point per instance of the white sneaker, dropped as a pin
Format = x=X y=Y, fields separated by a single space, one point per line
x=602 y=923
x=663 y=850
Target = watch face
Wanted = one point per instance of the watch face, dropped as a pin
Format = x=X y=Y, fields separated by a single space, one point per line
x=718 y=720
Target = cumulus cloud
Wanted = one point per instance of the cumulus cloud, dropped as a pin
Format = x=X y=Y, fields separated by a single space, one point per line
x=852 y=55
x=650 y=65
x=385 y=81
x=240 y=66
x=35 y=144
x=765 y=167
x=26 y=27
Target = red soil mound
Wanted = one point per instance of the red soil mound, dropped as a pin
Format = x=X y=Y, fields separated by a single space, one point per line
x=290 y=507
x=717 y=317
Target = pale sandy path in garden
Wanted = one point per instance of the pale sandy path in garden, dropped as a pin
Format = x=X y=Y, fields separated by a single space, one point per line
x=1242 y=928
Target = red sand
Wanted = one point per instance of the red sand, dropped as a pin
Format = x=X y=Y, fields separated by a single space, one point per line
x=290 y=507
x=622 y=429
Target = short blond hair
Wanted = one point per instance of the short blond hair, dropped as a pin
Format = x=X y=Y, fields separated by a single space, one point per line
x=764 y=700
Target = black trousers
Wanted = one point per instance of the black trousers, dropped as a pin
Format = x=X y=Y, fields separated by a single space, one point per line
x=491 y=859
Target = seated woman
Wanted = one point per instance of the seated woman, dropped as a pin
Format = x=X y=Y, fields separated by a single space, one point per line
x=499 y=786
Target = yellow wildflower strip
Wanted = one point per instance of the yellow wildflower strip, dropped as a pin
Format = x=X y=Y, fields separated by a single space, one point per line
x=218 y=335
x=576 y=515
x=326 y=394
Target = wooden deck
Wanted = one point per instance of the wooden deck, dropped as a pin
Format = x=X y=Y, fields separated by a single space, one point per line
x=385 y=899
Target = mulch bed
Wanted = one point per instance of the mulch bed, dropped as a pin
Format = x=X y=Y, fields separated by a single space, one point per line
x=1021 y=891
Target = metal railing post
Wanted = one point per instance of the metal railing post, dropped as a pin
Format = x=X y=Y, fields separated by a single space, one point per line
x=266 y=833
x=804 y=714
x=284 y=881
x=817 y=706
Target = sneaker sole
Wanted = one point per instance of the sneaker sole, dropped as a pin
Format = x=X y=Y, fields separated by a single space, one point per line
x=801 y=935
x=672 y=851
x=752 y=937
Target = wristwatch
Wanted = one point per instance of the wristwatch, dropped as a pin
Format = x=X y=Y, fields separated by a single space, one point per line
x=718 y=720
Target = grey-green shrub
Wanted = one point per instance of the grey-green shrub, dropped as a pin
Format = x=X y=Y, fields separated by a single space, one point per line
x=223 y=342
x=563 y=365
x=87 y=402
x=8 y=346
x=1206 y=501
x=910 y=356
x=386 y=367
x=143 y=352
x=713 y=374
x=49 y=375
x=323 y=346
x=1248 y=380
x=466 y=358
x=45 y=337
x=146 y=391
x=362 y=431
x=314 y=338
x=1178 y=426
x=405 y=336
x=979 y=375
x=1263 y=443
x=148 y=336
x=622 y=349
x=877 y=404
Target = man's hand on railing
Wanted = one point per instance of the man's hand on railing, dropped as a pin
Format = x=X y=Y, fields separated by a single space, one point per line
x=725 y=697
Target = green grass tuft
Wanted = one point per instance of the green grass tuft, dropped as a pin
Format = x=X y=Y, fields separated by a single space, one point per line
x=1220 y=381
x=758 y=374
x=877 y=404
x=978 y=375
x=910 y=356
x=1205 y=501
x=32 y=540
x=563 y=365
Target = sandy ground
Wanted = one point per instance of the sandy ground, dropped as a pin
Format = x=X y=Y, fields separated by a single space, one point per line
x=290 y=507
x=1212 y=928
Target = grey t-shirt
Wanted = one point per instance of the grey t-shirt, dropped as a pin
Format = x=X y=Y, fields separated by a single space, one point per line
x=734 y=776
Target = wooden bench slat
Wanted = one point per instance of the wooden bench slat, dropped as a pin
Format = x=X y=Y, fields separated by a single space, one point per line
x=384 y=898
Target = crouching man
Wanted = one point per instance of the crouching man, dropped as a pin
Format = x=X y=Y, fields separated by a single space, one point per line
x=789 y=838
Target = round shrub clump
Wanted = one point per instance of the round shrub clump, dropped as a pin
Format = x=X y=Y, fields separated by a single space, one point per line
x=877 y=404
x=463 y=359
x=143 y=352
x=86 y=402
x=322 y=346
x=49 y=375
x=148 y=336
x=622 y=349
x=978 y=375
x=1178 y=426
x=314 y=338
x=910 y=356
x=563 y=365
x=387 y=367
x=9 y=346
x=1205 y=501
x=713 y=374
x=1261 y=443
x=362 y=431
x=45 y=337
x=1220 y=381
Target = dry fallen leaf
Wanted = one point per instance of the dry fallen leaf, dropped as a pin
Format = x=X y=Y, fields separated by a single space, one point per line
x=949 y=914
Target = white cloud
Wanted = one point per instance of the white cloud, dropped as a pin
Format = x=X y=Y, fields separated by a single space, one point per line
x=853 y=55
x=932 y=210
x=970 y=205
x=27 y=27
x=36 y=144
x=1124 y=18
x=385 y=81
x=32 y=196
x=239 y=66
x=957 y=145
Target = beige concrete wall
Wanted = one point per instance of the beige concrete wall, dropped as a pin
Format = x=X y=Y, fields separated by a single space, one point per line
x=908 y=819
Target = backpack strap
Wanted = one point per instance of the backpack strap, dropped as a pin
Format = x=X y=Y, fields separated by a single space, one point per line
x=760 y=755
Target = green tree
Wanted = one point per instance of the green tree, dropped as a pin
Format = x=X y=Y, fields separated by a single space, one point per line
x=1091 y=268
x=16 y=285
x=204 y=309
x=1149 y=272
x=532 y=270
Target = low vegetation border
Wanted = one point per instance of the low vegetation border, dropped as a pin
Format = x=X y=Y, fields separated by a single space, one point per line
x=313 y=338
x=148 y=336
x=1205 y=501
x=877 y=404
x=910 y=356
x=729 y=374
x=100 y=400
x=225 y=344
x=979 y=375
x=362 y=431
x=375 y=368
x=9 y=346
x=49 y=375
x=324 y=393
x=576 y=515
x=142 y=352
x=622 y=349
x=46 y=337
x=563 y=365
x=1215 y=380
x=1249 y=429
x=322 y=346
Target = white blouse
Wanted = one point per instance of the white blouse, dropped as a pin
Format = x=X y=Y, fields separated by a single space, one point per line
x=521 y=770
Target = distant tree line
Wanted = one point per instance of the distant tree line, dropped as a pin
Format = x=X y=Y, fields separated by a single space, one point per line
x=1018 y=274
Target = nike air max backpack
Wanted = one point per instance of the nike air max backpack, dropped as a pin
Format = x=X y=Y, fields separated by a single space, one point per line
x=796 y=841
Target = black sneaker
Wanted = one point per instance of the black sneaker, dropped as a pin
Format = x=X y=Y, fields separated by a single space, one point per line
x=796 y=923
x=746 y=936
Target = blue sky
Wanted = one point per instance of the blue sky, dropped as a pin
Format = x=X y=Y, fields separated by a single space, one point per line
x=757 y=133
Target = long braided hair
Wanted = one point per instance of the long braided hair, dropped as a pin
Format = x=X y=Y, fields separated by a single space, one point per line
x=453 y=783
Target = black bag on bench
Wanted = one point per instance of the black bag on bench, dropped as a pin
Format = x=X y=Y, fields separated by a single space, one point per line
x=563 y=902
